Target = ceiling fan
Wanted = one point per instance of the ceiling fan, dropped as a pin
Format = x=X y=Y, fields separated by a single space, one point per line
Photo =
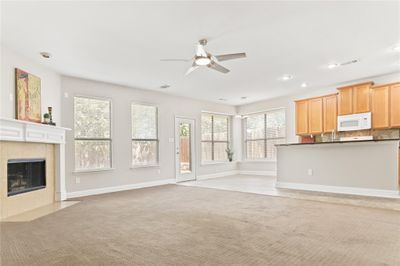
x=202 y=58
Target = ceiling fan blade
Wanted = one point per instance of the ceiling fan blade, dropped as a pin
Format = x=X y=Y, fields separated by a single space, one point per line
x=225 y=57
x=175 y=60
x=218 y=67
x=192 y=68
x=200 y=51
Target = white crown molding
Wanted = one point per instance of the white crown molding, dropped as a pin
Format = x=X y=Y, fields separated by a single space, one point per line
x=341 y=190
x=97 y=191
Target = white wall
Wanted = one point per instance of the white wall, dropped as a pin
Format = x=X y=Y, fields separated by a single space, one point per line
x=288 y=103
x=50 y=80
x=122 y=97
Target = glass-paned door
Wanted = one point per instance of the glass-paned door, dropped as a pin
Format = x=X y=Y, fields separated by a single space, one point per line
x=184 y=146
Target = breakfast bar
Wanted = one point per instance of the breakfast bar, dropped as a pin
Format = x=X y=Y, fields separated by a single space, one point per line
x=369 y=167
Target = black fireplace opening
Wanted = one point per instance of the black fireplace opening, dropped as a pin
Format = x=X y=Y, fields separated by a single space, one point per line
x=24 y=175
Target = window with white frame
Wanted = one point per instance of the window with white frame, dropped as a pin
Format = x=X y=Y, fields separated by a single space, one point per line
x=92 y=133
x=144 y=135
x=214 y=137
x=262 y=131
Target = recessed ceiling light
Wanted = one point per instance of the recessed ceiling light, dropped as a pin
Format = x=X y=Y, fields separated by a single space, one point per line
x=303 y=85
x=165 y=86
x=45 y=55
x=222 y=99
x=333 y=65
x=286 y=77
x=243 y=97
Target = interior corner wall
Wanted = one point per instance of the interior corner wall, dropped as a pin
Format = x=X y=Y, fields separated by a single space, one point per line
x=121 y=97
x=50 y=84
x=287 y=102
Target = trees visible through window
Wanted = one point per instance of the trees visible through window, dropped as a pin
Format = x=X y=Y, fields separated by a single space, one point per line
x=214 y=137
x=262 y=132
x=92 y=133
x=144 y=135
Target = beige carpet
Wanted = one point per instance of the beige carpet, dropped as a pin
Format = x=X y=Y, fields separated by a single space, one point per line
x=178 y=225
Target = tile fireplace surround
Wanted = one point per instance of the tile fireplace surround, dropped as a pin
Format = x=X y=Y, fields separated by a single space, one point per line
x=26 y=140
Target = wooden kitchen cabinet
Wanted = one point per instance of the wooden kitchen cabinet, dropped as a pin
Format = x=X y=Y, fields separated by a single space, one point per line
x=354 y=99
x=345 y=101
x=395 y=105
x=302 y=117
x=315 y=116
x=329 y=112
x=361 y=98
x=380 y=107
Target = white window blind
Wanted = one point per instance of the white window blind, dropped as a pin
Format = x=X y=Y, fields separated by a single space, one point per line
x=262 y=132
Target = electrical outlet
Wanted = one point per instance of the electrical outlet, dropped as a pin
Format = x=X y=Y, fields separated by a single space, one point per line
x=310 y=171
x=77 y=180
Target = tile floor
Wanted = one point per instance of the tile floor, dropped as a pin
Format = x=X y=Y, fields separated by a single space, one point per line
x=266 y=185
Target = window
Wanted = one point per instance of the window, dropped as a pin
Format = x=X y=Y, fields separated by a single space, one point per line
x=92 y=123
x=144 y=135
x=262 y=132
x=214 y=137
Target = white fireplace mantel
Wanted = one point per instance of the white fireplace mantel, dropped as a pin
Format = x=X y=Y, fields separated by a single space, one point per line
x=23 y=131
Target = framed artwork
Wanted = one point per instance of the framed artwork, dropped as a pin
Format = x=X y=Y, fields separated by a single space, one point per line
x=28 y=96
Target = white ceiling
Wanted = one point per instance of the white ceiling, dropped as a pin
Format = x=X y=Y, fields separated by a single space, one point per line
x=123 y=42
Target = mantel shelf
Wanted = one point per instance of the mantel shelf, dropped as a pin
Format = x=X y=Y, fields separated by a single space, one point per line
x=24 y=131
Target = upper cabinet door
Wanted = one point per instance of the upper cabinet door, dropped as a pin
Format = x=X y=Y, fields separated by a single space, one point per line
x=302 y=117
x=345 y=101
x=330 y=112
x=315 y=116
x=395 y=105
x=361 y=98
x=380 y=107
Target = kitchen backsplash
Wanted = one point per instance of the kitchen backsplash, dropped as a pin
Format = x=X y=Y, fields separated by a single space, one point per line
x=376 y=133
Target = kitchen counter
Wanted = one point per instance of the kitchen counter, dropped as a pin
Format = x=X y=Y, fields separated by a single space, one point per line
x=337 y=142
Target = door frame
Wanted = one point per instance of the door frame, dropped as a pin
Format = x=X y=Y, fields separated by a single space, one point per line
x=193 y=148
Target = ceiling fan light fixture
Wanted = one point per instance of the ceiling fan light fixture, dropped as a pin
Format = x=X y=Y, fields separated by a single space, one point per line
x=202 y=61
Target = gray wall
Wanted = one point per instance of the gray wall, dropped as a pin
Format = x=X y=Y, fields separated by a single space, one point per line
x=372 y=165
x=122 y=97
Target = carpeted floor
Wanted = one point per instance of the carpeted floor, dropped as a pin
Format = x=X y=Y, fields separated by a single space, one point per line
x=178 y=225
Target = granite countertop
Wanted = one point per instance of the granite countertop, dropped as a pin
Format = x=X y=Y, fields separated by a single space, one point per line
x=337 y=142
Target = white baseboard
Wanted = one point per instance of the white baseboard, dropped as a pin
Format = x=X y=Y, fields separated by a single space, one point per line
x=341 y=190
x=220 y=174
x=96 y=191
x=267 y=173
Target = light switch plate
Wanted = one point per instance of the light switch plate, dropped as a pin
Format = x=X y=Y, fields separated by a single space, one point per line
x=310 y=171
x=171 y=140
x=66 y=95
x=77 y=180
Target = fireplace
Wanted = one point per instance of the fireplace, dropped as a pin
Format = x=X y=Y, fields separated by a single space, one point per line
x=24 y=175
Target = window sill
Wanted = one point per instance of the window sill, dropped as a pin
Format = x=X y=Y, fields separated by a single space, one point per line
x=218 y=162
x=92 y=170
x=145 y=166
